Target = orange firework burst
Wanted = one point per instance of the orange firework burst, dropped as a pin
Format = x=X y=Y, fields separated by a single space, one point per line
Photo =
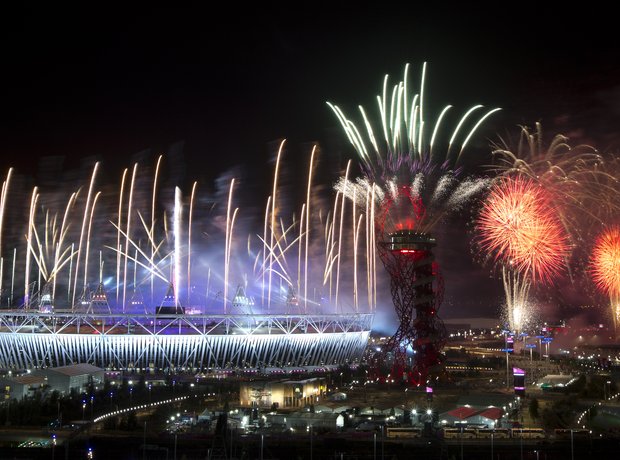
x=519 y=226
x=605 y=262
x=583 y=182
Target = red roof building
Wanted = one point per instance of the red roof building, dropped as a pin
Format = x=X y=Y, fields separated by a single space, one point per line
x=462 y=413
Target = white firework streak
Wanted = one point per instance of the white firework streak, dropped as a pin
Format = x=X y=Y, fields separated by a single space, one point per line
x=517 y=290
x=403 y=123
x=443 y=188
x=465 y=191
x=418 y=185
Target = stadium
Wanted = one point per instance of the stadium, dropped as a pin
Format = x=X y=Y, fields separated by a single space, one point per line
x=172 y=304
x=31 y=339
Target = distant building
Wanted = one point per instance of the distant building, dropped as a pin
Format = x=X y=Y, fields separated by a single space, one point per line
x=304 y=420
x=76 y=376
x=555 y=381
x=20 y=387
x=490 y=417
x=283 y=393
x=457 y=416
x=485 y=400
x=338 y=396
x=462 y=416
x=483 y=409
x=465 y=324
x=457 y=327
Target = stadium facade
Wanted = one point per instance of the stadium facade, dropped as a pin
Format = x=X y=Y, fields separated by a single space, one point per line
x=33 y=339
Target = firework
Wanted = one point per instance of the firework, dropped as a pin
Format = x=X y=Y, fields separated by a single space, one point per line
x=409 y=155
x=518 y=308
x=518 y=228
x=413 y=182
x=405 y=145
x=518 y=225
x=88 y=330
x=605 y=268
x=143 y=246
x=584 y=184
x=432 y=197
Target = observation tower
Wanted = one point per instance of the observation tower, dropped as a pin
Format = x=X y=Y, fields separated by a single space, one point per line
x=416 y=287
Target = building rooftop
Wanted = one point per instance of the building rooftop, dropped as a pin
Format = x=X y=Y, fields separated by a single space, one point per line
x=304 y=381
x=463 y=412
x=556 y=378
x=492 y=413
x=27 y=379
x=313 y=415
x=76 y=369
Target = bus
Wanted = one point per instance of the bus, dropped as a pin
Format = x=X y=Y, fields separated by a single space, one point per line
x=528 y=433
x=497 y=433
x=404 y=432
x=459 y=433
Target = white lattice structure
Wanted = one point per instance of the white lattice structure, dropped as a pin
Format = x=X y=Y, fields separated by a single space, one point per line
x=195 y=342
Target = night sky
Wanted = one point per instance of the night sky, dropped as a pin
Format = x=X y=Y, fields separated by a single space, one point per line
x=218 y=90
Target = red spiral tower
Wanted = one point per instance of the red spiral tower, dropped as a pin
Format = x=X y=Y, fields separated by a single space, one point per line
x=416 y=286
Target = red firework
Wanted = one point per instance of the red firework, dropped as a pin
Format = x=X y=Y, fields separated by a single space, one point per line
x=605 y=262
x=519 y=226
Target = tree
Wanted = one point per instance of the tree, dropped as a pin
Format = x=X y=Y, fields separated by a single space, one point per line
x=559 y=415
x=129 y=422
x=110 y=423
x=534 y=408
x=593 y=412
x=579 y=386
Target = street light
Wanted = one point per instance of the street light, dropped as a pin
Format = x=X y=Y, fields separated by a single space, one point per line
x=382 y=443
x=311 y=446
x=83 y=408
x=605 y=392
x=374 y=445
x=461 y=436
x=144 y=442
